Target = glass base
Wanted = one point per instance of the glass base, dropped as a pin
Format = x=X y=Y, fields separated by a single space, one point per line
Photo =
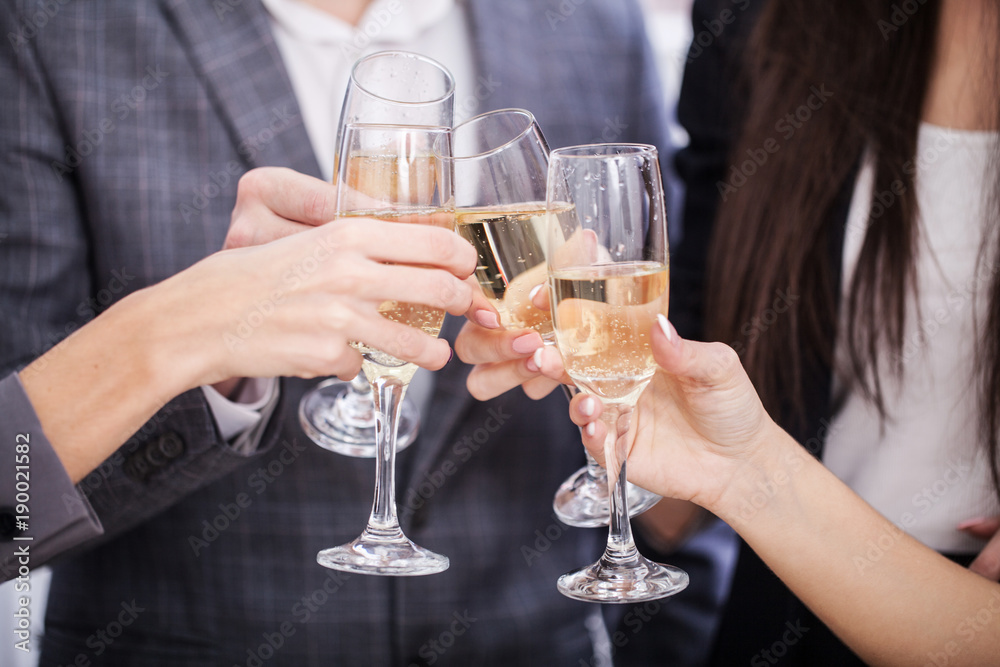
x=582 y=501
x=637 y=580
x=394 y=556
x=326 y=422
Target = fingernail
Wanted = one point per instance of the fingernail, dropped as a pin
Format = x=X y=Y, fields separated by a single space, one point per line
x=487 y=318
x=537 y=357
x=667 y=328
x=451 y=355
x=526 y=343
x=591 y=429
x=588 y=406
x=972 y=523
x=532 y=366
x=534 y=290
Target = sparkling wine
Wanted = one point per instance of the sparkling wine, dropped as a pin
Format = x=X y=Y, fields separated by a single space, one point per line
x=603 y=316
x=407 y=180
x=509 y=242
x=426 y=318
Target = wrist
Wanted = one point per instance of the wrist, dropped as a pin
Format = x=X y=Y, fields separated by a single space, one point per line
x=162 y=341
x=765 y=474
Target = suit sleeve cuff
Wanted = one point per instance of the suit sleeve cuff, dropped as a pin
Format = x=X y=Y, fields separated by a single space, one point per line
x=58 y=516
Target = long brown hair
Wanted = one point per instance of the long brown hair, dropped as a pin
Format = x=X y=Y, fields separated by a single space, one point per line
x=863 y=78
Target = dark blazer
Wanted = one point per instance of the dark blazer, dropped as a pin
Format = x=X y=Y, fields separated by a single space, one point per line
x=124 y=126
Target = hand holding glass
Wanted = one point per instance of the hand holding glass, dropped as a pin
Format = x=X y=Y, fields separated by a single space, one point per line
x=501 y=163
x=390 y=173
x=394 y=88
x=608 y=280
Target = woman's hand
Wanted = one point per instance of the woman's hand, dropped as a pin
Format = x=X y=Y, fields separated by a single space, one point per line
x=696 y=425
x=292 y=306
x=507 y=358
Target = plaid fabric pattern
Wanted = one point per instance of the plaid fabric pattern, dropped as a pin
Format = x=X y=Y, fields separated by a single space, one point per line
x=124 y=128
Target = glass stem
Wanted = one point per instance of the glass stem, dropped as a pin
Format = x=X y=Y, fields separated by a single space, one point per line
x=361 y=385
x=354 y=406
x=621 y=547
x=594 y=470
x=388 y=397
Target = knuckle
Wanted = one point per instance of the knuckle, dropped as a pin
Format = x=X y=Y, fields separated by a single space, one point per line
x=406 y=344
x=724 y=362
x=238 y=236
x=446 y=289
x=443 y=247
x=251 y=184
x=349 y=233
x=335 y=319
x=316 y=205
x=349 y=276
x=477 y=385
x=538 y=388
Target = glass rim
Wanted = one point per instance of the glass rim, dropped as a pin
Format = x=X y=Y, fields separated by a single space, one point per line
x=513 y=111
x=397 y=127
x=411 y=56
x=587 y=151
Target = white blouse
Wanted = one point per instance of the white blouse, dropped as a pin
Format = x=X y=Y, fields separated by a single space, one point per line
x=923 y=467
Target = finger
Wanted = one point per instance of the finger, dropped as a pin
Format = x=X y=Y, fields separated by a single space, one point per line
x=405 y=284
x=348 y=365
x=706 y=364
x=983 y=528
x=549 y=362
x=987 y=563
x=586 y=415
x=476 y=345
x=482 y=311
x=401 y=341
x=260 y=228
x=538 y=388
x=488 y=381
x=397 y=243
x=290 y=195
x=539 y=297
x=585 y=409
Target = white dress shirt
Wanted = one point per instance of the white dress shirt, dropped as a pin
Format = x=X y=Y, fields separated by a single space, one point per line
x=319 y=51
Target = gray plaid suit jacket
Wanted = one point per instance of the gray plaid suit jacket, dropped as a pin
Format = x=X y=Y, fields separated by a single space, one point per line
x=124 y=127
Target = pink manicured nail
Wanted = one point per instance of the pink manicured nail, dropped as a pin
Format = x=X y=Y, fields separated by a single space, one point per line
x=591 y=429
x=972 y=523
x=536 y=358
x=487 y=318
x=588 y=406
x=526 y=343
x=534 y=291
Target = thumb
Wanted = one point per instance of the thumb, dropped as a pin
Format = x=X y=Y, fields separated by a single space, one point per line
x=707 y=364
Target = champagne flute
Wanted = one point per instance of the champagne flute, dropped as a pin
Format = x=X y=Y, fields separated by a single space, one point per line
x=608 y=280
x=394 y=88
x=391 y=173
x=501 y=163
x=500 y=166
